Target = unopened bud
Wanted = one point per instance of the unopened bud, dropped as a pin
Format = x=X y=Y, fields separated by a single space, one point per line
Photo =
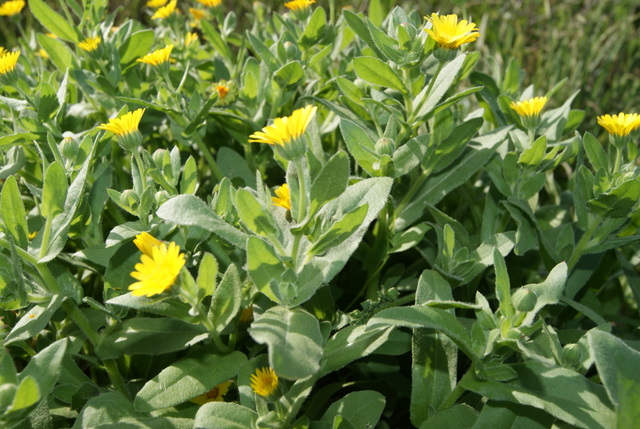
x=571 y=355
x=385 y=146
x=524 y=300
x=69 y=148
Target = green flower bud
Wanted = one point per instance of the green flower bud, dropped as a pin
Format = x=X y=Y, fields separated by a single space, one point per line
x=161 y=197
x=292 y=51
x=385 y=146
x=524 y=300
x=129 y=198
x=130 y=141
x=158 y=157
x=69 y=148
x=571 y=355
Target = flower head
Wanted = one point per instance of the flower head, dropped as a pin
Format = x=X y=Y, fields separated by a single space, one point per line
x=299 y=5
x=264 y=382
x=90 y=44
x=222 y=88
x=619 y=125
x=449 y=33
x=156 y=3
x=197 y=13
x=12 y=7
x=158 y=272
x=190 y=38
x=8 y=61
x=214 y=395
x=165 y=11
x=126 y=124
x=145 y=242
x=530 y=107
x=283 y=130
x=210 y=3
x=157 y=57
x=283 y=197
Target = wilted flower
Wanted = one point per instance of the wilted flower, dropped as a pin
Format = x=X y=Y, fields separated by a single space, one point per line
x=449 y=33
x=10 y=8
x=264 y=382
x=283 y=197
x=299 y=5
x=158 y=272
x=157 y=57
x=165 y=11
x=619 y=125
x=214 y=395
x=90 y=44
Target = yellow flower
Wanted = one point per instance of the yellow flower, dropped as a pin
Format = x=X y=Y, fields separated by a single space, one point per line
x=283 y=198
x=158 y=272
x=214 y=395
x=156 y=3
x=619 y=125
x=165 y=11
x=157 y=57
x=530 y=107
x=3 y=51
x=10 y=8
x=42 y=53
x=449 y=33
x=8 y=62
x=145 y=242
x=90 y=44
x=284 y=130
x=53 y=36
x=210 y=3
x=197 y=13
x=190 y=38
x=299 y=5
x=222 y=89
x=264 y=382
x=126 y=124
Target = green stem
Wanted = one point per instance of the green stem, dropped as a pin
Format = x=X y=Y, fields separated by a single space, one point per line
x=412 y=191
x=431 y=83
x=408 y=102
x=618 y=160
x=582 y=245
x=116 y=378
x=457 y=391
x=302 y=191
x=207 y=156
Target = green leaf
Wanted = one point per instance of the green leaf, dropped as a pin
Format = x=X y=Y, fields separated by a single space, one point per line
x=352 y=343
x=254 y=215
x=45 y=367
x=162 y=305
x=339 y=231
x=59 y=53
x=387 y=45
x=314 y=29
x=548 y=292
x=223 y=415
x=187 y=378
x=503 y=285
x=190 y=210
x=189 y=180
x=443 y=82
x=212 y=35
x=359 y=26
x=457 y=416
x=361 y=409
x=13 y=213
x=26 y=395
x=595 y=153
x=148 y=336
x=331 y=182
x=508 y=415
x=562 y=393
x=294 y=340
x=378 y=72
x=109 y=407
x=54 y=191
x=226 y=299
x=53 y=22
x=264 y=267
x=533 y=156
x=34 y=321
x=136 y=46
x=207 y=275
x=360 y=146
x=47 y=101
x=619 y=369
x=618 y=202
x=288 y=75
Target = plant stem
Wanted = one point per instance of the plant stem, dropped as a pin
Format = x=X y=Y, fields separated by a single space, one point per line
x=207 y=155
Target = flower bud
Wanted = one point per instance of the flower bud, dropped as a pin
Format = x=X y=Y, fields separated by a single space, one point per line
x=130 y=141
x=158 y=157
x=69 y=148
x=444 y=55
x=571 y=355
x=161 y=197
x=385 y=146
x=524 y=300
x=292 y=52
x=129 y=198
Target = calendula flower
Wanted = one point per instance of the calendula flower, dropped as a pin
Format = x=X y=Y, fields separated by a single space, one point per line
x=530 y=107
x=190 y=38
x=214 y=395
x=90 y=44
x=197 y=13
x=165 y=11
x=222 y=89
x=156 y=3
x=42 y=53
x=264 y=382
x=10 y=8
x=210 y=3
x=299 y=5
x=283 y=130
x=126 y=124
x=8 y=62
x=283 y=197
x=3 y=51
x=158 y=272
x=145 y=242
x=157 y=57
x=449 y=33
x=619 y=125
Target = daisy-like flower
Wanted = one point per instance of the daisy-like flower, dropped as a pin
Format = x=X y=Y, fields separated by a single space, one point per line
x=190 y=38
x=3 y=51
x=264 y=382
x=90 y=44
x=286 y=132
x=450 y=33
x=619 y=125
x=210 y=3
x=214 y=395
x=530 y=107
x=165 y=11
x=126 y=124
x=197 y=13
x=8 y=61
x=145 y=242
x=10 y=8
x=283 y=197
x=157 y=57
x=299 y=5
x=156 y=3
x=158 y=272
